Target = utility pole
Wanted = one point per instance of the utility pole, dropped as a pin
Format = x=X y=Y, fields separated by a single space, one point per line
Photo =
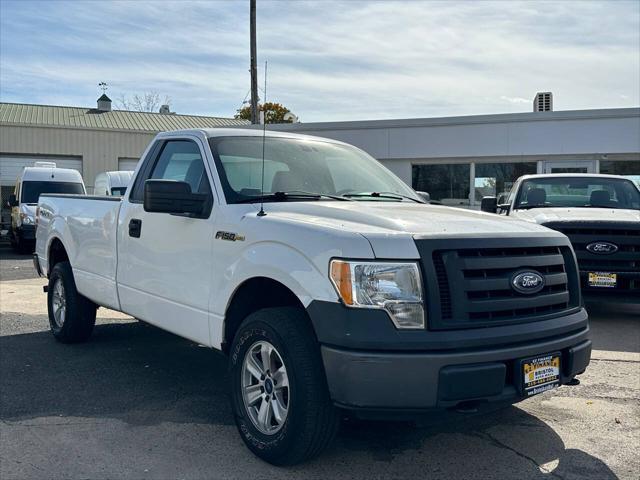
x=254 y=70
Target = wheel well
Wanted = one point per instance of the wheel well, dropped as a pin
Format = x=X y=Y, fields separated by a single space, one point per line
x=251 y=296
x=57 y=254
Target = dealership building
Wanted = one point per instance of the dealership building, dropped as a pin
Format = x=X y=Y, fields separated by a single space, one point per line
x=456 y=159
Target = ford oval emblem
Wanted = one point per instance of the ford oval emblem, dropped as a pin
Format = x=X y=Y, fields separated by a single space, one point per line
x=602 y=248
x=528 y=282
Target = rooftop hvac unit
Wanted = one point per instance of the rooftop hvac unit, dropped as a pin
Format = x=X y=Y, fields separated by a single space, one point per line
x=543 y=102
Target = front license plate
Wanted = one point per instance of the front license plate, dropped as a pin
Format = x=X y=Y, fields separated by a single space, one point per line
x=603 y=279
x=540 y=374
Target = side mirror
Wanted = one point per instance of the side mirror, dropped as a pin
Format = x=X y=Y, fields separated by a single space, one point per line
x=424 y=196
x=489 y=204
x=13 y=201
x=169 y=196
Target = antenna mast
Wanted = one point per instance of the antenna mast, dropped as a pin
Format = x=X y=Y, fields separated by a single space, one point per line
x=253 y=69
x=262 y=213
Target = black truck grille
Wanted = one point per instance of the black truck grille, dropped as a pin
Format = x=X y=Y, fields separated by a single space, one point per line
x=469 y=287
x=625 y=261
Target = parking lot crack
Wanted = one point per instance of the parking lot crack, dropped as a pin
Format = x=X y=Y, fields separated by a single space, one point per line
x=615 y=360
x=497 y=443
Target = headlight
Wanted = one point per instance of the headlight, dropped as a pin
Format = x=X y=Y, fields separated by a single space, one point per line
x=26 y=219
x=392 y=286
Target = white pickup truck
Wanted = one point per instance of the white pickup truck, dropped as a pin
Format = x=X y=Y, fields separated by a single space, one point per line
x=327 y=281
x=601 y=216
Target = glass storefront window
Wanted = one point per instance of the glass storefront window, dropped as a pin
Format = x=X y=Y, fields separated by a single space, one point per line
x=448 y=184
x=496 y=179
x=627 y=168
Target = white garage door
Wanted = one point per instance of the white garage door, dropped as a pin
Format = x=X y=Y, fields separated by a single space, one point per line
x=11 y=165
x=127 y=164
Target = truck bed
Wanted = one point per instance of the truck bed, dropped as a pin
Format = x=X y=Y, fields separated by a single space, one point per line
x=88 y=225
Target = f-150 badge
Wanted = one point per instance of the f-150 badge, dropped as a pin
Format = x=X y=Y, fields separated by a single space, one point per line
x=230 y=236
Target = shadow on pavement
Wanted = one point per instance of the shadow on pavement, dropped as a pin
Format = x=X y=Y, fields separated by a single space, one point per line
x=15 y=266
x=132 y=371
x=615 y=327
x=144 y=376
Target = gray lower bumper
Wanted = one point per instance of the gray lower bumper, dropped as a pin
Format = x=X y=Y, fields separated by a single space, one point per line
x=440 y=379
x=27 y=232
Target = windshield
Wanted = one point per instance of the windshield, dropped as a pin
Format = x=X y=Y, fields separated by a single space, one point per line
x=118 y=191
x=586 y=192
x=302 y=166
x=31 y=191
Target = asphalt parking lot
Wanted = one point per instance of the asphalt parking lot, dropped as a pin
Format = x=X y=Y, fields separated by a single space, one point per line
x=136 y=402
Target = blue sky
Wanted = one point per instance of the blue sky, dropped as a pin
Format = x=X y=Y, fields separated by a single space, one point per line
x=328 y=60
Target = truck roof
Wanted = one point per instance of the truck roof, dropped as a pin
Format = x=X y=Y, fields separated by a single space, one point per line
x=117 y=178
x=245 y=132
x=572 y=175
x=50 y=174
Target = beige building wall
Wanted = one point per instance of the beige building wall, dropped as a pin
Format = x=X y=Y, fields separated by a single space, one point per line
x=99 y=149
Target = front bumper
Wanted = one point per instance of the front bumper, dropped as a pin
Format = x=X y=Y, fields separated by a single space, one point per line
x=389 y=379
x=26 y=232
x=627 y=291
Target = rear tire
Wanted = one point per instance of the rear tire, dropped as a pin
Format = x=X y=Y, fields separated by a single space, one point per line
x=15 y=242
x=71 y=316
x=21 y=245
x=310 y=421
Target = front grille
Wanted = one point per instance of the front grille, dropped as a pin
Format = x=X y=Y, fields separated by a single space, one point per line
x=443 y=287
x=625 y=262
x=472 y=286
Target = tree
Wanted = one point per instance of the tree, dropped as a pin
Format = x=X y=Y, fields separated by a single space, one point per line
x=275 y=112
x=146 y=102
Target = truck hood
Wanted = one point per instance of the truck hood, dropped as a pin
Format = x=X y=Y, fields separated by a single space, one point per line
x=29 y=209
x=392 y=218
x=578 y=214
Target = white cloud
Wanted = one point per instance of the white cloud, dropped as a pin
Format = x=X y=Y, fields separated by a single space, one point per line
x=329 y=60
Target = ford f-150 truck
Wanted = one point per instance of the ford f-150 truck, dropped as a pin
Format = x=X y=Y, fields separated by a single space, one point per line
x=327 y=281
x=601 y=216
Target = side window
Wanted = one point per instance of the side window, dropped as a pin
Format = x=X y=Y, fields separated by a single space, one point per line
x=178 y=160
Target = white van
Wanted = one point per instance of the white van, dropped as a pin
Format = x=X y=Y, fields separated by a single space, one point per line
x=43 y=177
x=112 y=183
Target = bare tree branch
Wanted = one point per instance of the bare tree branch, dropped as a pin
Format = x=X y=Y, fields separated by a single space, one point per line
x=145 y=102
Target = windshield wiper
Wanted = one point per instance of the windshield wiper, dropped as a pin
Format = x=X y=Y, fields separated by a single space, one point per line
x=291 y=195
x=300 y=193
x=529 y=207
x=603 y=206
x=392 y=195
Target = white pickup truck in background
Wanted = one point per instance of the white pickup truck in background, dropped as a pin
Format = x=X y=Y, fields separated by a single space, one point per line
x=345 y=291
x=601 y=216
x=113 y=183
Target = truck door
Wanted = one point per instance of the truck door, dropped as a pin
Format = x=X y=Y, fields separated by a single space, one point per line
x=164 y=260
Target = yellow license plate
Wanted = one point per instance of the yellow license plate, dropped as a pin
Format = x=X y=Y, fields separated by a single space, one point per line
x=540 y=374
x=603 y=279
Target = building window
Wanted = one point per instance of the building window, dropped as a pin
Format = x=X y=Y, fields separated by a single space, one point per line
x=496 y=179
x=627 y=168
x=448 y=184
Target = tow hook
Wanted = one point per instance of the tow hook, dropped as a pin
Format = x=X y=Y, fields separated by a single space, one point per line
x=467 y=407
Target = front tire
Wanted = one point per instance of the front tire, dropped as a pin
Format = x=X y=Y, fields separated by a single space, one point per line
x=279 y=391
x=71 y=316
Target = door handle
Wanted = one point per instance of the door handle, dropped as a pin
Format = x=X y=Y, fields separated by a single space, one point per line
x=135 y=227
